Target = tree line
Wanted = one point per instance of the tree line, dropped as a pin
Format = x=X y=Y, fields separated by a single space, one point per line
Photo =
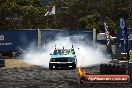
x=71 y=14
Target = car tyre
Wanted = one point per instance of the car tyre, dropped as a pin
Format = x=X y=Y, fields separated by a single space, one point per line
x=74 y=66
x=50 y=67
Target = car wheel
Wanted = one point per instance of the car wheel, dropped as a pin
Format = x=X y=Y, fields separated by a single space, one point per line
x=50 y=67
x=74 y=66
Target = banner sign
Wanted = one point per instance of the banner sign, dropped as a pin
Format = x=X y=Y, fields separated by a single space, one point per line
x=75 y=36
x=122 y=37
x=107 y=78
x=129 y=32
x=108 y=40
x=107 y=34
x=14 y=40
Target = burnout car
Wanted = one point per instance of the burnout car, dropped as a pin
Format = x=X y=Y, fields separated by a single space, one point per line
x=63 y=58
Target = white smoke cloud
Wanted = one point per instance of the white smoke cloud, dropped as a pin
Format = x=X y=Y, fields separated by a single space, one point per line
x=86 y=56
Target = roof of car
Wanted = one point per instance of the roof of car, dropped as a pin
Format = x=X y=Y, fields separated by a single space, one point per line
x=62 y=49
x=62 y=56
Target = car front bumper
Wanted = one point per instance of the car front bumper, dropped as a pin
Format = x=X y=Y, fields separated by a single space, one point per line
x=62 y=64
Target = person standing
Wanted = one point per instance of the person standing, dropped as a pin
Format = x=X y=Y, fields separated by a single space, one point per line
x=130 y=55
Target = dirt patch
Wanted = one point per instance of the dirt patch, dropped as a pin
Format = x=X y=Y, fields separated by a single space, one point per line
x=10 y=63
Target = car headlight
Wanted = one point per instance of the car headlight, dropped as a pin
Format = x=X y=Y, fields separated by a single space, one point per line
x=52 y=60
x=73 y=59
x=69 y=59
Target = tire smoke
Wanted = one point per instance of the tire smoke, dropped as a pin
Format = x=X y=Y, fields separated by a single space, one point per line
x=86 y=55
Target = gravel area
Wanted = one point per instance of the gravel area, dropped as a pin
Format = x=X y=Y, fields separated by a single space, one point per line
x=39 y=77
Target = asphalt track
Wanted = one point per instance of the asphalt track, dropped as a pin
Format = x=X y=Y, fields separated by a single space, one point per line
x=40 y=77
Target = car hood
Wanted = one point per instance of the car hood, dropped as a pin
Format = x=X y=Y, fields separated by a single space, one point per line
x=63 y=56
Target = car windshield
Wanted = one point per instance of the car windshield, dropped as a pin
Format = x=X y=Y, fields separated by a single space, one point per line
x=62 y=51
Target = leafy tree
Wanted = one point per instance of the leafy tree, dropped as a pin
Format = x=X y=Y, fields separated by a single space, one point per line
x=17 y=14
x=78 y=14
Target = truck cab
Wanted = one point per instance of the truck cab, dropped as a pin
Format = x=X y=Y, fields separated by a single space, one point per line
x=63 y=58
